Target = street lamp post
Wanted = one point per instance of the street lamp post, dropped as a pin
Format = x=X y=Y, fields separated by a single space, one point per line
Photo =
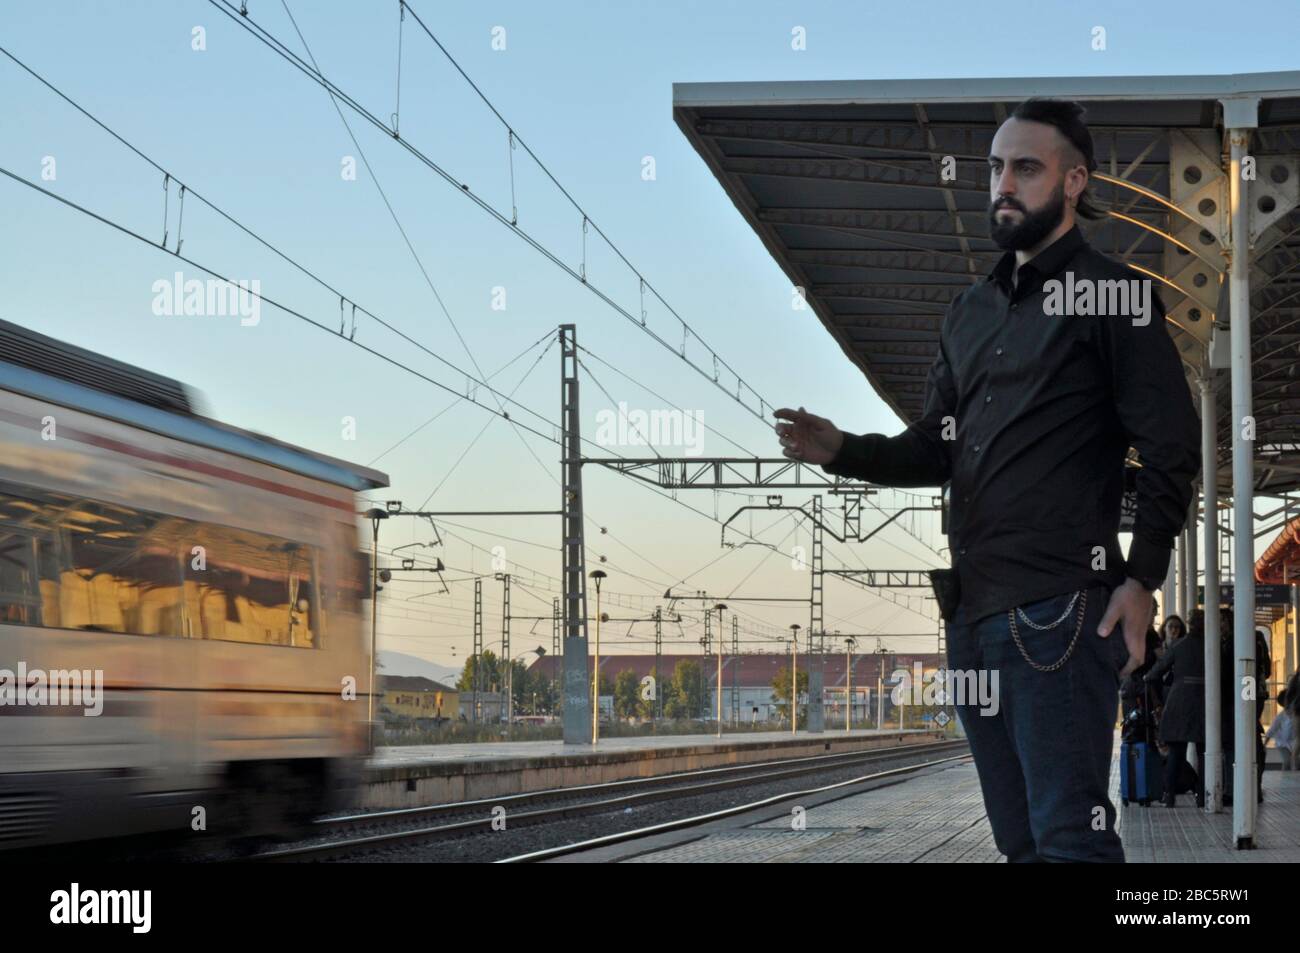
x=598 y=575
x=880 y=685
x=720 y=607
x=848 y=684
x=794 y=677
x=375 y=515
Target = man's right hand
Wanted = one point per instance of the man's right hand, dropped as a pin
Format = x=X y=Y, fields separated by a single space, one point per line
x=808 y=438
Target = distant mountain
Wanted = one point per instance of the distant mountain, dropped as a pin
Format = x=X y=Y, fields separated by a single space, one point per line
x=399 y=663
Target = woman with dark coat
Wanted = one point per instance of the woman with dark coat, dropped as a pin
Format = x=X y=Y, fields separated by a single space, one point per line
x=1171 y=630
x=1183 y=722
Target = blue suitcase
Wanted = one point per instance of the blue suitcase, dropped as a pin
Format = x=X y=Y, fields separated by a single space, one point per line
x=1140 y=773
x=1141 y=768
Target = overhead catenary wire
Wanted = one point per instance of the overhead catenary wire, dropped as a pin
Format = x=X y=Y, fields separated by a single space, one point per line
x=303 y=269
x=613 y=402
x=910 y=499
x=226 y=216
x=183 y=187
x=449 y=316
x=496 y=373
x=401 y=21
x=517 y=565
x=692 y=615
x=293 y=262
x=260 y=297
x=679 y=582
x=613 y=599
x=589 y=517
x=488 y=423
x=668 y=403
x=268 y=300
x=586 y=218
x=275 y=45
x=402 y=230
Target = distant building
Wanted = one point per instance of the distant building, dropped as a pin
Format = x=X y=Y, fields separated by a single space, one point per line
x=750 y=676
x=416 y=702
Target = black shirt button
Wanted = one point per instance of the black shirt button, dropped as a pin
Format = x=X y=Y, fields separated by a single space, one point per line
x=1014 y=307
x=977 y=448
x=998 y=352
x=963 y=550
x=966 y=499
x=987 y=398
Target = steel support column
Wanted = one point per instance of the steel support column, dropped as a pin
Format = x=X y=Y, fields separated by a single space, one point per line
x=1240 y=116
x=1193 y=512
x=478 y=650
x=1182 y=574
x=508 y=679
x=1169 y=594
x=1212 y=771
x=577 y=688
x=735 y=670
x=657 y=705
x=816 y=658
x=556 y=639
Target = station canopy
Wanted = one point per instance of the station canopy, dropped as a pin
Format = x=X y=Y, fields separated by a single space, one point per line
x=872 y=196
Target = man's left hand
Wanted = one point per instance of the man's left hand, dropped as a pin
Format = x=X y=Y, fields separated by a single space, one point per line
x=1130 y=605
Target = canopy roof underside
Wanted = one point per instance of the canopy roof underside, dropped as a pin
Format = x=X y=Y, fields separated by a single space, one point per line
x=872 y=197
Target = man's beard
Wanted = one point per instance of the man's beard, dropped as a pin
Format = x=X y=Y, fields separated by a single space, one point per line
x=1031 y=228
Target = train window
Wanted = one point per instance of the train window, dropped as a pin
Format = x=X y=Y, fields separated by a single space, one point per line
x=120 y=571
x=248 y=587
x=72 y=563
x=20 y=601
x=29 y=572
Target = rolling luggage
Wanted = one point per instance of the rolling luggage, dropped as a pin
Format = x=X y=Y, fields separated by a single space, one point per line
x=1141 y=772
x=1141 y=768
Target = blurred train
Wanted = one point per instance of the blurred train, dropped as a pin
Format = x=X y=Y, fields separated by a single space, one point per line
x=211 y=579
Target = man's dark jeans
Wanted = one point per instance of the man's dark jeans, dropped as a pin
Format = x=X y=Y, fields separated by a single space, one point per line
x=1044 y=756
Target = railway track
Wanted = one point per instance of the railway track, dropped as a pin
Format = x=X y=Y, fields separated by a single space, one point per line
x=358 y=833
x=668 y=826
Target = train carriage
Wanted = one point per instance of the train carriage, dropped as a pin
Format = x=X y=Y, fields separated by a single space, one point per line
x=208 y=578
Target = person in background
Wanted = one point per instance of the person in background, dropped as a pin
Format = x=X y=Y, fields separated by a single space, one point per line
x=1183 y=722
x=1228 y=688
x=1263 y=672
x=1170 y=632
x=1285 y=730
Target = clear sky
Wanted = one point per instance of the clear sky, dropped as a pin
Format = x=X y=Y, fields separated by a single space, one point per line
x=589 y=87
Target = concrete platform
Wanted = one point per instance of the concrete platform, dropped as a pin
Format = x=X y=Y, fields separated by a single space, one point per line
x=939 y=817
x=437 y=774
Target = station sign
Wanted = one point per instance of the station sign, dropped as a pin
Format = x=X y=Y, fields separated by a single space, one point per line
x=1265 y=595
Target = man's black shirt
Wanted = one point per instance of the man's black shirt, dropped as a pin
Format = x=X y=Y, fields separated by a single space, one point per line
x=1030 y=416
